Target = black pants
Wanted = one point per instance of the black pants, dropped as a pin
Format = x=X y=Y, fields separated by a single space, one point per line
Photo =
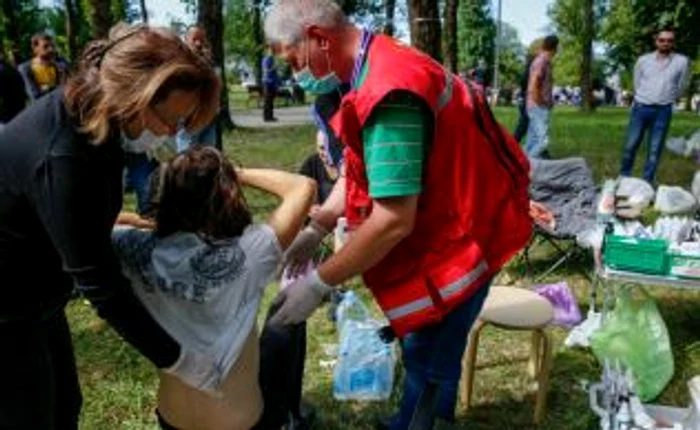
x=39 y=384
x=268 y=103
x=282 y=354
x=523 y=123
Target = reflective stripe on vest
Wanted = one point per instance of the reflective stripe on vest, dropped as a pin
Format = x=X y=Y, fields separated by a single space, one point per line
x=458 y=286
x=446 y=94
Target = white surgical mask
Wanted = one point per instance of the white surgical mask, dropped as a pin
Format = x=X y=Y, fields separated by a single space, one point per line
x=146 y=142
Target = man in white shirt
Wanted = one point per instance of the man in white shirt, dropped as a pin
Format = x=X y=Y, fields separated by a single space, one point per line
x=660 y=79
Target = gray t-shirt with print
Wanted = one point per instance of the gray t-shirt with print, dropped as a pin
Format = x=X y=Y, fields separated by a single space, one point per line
x=205 y=295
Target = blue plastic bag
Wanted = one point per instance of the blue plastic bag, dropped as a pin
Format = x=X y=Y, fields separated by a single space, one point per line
x=365 y=367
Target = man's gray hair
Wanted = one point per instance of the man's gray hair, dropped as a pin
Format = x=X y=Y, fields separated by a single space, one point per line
x=287 y=19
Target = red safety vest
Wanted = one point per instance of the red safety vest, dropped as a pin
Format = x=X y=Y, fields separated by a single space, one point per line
x=472 y=215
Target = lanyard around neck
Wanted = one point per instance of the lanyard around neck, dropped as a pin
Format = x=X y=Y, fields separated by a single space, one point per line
x=360 y=60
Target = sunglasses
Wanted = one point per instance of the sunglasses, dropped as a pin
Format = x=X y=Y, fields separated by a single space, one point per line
x=664 y=40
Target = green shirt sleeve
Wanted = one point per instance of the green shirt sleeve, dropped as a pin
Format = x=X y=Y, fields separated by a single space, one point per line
x=395 y=139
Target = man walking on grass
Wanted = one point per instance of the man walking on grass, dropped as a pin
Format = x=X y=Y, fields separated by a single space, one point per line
x=540 y=99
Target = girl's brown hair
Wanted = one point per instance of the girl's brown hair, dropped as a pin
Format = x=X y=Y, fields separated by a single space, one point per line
x=133 y=69
x=200 y=193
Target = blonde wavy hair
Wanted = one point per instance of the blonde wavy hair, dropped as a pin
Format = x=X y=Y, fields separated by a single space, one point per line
x=133 y=69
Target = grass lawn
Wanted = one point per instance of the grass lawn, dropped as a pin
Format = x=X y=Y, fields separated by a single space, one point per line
x=119 y=386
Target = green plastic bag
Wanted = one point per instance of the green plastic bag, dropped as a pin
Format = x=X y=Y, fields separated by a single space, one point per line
x=635 y=335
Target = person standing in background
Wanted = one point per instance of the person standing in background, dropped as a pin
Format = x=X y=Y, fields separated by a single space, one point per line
x=271 y=82
x=660 y=78
x=42 y=73
x=540 y=99
x=523 y=120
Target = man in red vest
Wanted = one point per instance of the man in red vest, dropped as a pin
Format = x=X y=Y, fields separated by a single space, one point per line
x=434 y=191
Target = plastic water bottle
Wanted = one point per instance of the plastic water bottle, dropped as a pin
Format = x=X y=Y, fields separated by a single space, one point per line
x=606 y=204
x=365 y=368
x=350 y=308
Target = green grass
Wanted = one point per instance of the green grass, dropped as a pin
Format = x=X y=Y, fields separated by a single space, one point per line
x=119 y=386
x=241 y=103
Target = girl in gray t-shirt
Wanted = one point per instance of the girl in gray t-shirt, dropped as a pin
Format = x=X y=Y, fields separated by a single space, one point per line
x=201 y=272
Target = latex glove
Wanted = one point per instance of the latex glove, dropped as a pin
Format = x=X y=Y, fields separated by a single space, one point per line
x=303 y=247
x=300 y=299
x=198 y=371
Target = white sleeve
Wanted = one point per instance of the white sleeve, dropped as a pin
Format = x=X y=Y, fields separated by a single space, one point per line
x=263 y=253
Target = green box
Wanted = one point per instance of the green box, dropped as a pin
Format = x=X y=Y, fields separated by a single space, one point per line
x=636 y=255
x=684 y=266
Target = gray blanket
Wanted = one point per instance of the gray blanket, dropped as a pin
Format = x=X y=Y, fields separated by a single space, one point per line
x=567 y=188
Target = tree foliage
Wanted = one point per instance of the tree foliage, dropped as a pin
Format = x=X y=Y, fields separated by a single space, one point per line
x=630 y=26
x=511 y=60
x=241 y=42
x=476 y=33
x=20 y=19
x=361 y=10
x=578 y=25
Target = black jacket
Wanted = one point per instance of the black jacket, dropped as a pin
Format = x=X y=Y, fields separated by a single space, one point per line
x=12 y=95
x=59 y=198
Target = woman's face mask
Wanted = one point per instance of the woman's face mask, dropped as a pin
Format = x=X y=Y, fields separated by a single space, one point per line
x=146 y=142
x=313 y=85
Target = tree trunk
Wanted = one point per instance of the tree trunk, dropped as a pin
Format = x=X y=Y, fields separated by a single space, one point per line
x=71 y=30
x=144 y=12
x=9 y=10
x=210 y=17
x=587 y=57
x=425 y=27
x=101 y=17
x=451 y=48
x=259 y=38
x=390 y=11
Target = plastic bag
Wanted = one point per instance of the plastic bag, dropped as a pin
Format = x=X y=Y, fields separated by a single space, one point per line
x=566 y=311
x=674 y=201
x=677 y=145
x=581 y=334
x=692 y=421
x=695 y=187
x=635 y=191
x=635 y=336
x=365 y=367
